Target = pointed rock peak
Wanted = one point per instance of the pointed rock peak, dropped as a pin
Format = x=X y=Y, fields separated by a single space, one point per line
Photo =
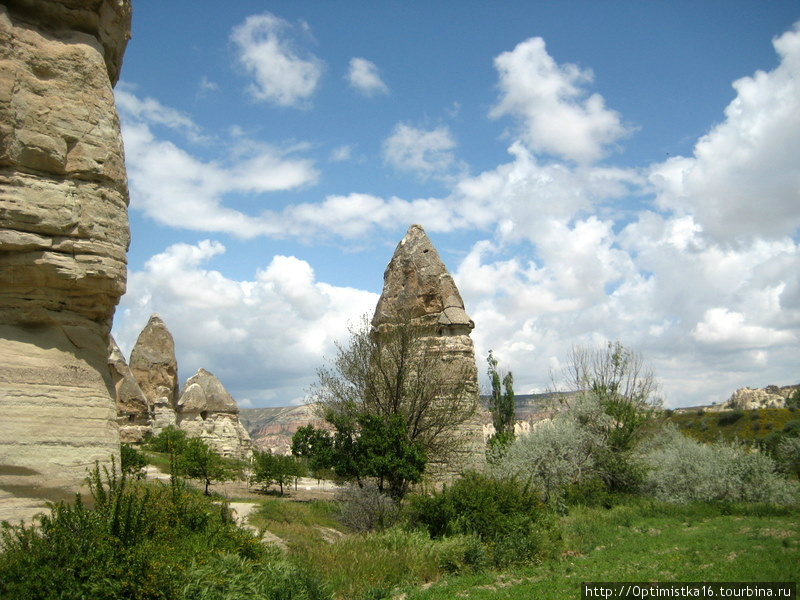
x=203 y=392
x=153 y=361
x=416 y=283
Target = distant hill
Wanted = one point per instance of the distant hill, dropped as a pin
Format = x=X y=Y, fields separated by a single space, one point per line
x=272 y=428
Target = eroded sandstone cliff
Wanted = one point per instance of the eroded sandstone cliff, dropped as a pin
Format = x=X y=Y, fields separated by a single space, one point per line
x=63 y=242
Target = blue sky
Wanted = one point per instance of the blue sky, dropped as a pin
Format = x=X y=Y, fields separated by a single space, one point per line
x=588 y=172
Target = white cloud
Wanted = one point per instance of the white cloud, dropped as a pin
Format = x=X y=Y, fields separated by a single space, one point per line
x=549 y=102
x=176 y=188
x=263 y=337
x=341 y=154
x=268 y=51
x=424 y=152
x=729 y=329
x=363 y=75
x=152 y=111
x=744 y=177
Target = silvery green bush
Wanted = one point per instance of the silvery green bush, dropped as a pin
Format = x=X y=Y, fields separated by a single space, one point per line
x=681 y=469
x=557 y=453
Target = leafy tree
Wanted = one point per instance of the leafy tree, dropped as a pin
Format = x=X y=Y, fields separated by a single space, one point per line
x=617 y=380
x=399 y=375
x=132 y=462
x=170 y=440
x=199 y=461
x=364 y=446
x=501 y=405
x=271 y=468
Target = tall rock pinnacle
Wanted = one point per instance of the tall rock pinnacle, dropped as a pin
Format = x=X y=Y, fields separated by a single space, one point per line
x=417 y=285
x=63 y=242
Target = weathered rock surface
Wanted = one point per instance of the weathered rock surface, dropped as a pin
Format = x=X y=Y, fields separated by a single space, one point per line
x=748 y=398
x=134 y=412
x=206 y=410
x=417 y=286
x=63 y=242
x=155 y=368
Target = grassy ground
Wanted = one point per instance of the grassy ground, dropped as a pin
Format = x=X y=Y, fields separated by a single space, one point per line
x=646 y=542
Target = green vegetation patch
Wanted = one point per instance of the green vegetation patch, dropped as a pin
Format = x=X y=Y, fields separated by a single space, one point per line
x=748 y=426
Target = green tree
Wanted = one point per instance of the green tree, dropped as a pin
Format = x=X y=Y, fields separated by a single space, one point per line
x=132 y=462
x=363 y=446
x=399 y=373
x=501 y=405
x=199 y=461
x=271 y=468
x=618 y=381
x=170 y=440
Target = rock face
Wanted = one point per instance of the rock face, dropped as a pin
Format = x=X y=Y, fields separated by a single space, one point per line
x=272 y=428
x=155 y=368
x=417 y=286
x=63 y=241
x=770 y=397
x=134 y=414
x=206 y=410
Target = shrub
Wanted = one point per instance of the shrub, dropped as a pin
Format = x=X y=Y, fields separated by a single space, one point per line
x=367 y=508
x=684 y=470
x=230 y=577
x=132 y=462
x=505 y=514
x=136 y=543
x=729 y=417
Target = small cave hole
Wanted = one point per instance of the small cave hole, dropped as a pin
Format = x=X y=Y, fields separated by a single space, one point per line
x=204 y=414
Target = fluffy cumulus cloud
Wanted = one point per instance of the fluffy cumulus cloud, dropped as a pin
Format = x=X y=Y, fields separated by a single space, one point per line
x=426 y=152
x=174 y=186
x=553 y=110
x=269 y=50
x=364 y=76
x=744 y=177
x=262 y=337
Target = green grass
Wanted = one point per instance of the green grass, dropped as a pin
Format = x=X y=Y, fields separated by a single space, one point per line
x=647 y=541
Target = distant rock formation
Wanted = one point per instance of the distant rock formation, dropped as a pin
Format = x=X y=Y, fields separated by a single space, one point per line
x=747 y=398
x=63 y=242
x=206 y=410
x=272 y=428
x=155 y=368
x=134 y=412
x=417 y=286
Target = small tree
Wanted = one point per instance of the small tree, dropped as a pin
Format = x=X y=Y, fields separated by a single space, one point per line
x=271 y=468
x=625 y=389
x=170 y=440
x=199 y=461
x=398 y=374
x=132 y=462
x=364 y=446
x=501 y=405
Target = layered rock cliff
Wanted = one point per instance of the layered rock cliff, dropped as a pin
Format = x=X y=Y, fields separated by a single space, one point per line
x=63 y=242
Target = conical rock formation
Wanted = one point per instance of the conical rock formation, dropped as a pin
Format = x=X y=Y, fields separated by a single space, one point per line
x=134 y=412
x=206 y=410
x=155 y=368
x=418 y=287
x=63 y=241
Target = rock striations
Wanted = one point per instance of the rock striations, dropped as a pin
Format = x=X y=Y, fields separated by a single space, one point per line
x=417 y=286
x=63 y=242
x=134 y=415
